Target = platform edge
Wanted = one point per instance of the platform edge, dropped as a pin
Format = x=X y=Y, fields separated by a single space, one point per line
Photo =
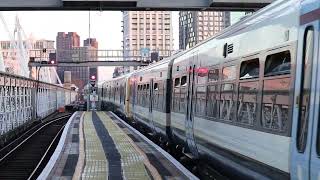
x=46 y=171
x=164 y=153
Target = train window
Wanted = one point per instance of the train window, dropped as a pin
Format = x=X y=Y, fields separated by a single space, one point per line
x=177 y=82
x=139 y=95
x=155 y=87
x=277 y=64
x=144 y=95
x=183 y=99
x=202 y=74
x=184 y=81
x=147 y=94
x=213 y=101
x=160 y=97
x=176 y=99
x=305 y=90
x=155 y=96
x=247 y=103
x=200 y=101
x=229 y=73
x=213 y=75
x=275 y=104
x=227 y=104
x=249 y=69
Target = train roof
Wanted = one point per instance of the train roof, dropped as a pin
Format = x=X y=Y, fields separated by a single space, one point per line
x=242 y=26
x=117 y=78
x=275 y=9
x=167 y=61
x=248 y=21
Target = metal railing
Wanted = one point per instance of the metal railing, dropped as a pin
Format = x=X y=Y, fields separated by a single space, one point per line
x=87 y=54
x=23 y=100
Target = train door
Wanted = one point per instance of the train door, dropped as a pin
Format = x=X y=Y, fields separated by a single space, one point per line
x=151 y=94
x=133 y=101
x=305 y=163
x=190 y=107
x=315 y=152
x=133 y=95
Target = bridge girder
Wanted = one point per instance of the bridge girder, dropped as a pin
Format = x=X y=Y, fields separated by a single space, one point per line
x=133 y=4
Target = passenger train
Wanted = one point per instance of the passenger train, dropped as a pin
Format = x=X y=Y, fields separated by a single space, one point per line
x=245 y=101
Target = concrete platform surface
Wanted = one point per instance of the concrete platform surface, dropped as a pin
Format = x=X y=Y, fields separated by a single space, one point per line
x=99 y=145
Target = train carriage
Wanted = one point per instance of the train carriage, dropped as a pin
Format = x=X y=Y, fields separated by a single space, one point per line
x=245 y=101
x=114 y=95
x=151 y=98
x=233 y=93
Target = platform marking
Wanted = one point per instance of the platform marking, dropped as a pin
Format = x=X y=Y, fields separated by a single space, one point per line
x=110 y=150
x=164 y=153
x=133 y=162
x=96 y=164
x=53 y=159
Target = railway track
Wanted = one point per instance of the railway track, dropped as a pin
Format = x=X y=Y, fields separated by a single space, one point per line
x=25 y=157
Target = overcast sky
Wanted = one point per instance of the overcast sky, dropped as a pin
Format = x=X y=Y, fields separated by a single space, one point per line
x=105 y=26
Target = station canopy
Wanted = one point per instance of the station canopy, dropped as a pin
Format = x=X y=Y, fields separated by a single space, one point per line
x=8 y=5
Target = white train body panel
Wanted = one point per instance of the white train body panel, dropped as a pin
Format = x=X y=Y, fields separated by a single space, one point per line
x=247 y=124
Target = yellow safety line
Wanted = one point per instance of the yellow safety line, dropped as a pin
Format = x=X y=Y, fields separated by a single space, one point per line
x=96 y=164
x=133 y=159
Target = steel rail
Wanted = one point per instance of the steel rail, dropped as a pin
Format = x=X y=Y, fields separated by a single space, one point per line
x=20 y=144
x=45 y=154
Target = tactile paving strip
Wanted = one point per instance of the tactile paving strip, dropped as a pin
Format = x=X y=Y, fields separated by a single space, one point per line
x=132 y=161
x=95 y=159
x=110 y=150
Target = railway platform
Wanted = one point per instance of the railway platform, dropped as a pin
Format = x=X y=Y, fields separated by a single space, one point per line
x=99 y=145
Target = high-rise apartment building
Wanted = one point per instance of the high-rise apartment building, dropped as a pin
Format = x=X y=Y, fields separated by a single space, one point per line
x=196 y=26
x=148 y=30
x=68 y=49
x=65 y=42
x=92 y=42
